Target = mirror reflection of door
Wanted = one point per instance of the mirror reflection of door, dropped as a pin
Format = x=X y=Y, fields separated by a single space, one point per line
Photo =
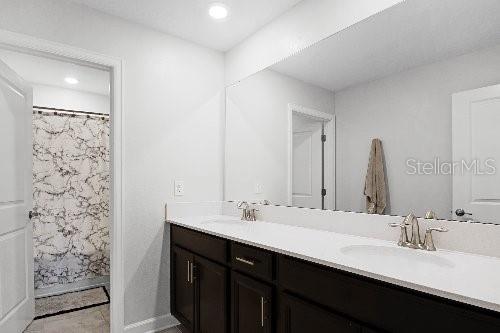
x=476 y=180
x=307 y=162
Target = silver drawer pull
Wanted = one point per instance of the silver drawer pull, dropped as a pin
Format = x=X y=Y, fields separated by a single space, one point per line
x=248 y=262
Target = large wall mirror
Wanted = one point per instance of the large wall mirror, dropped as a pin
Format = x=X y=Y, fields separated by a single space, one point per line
x=399 y=113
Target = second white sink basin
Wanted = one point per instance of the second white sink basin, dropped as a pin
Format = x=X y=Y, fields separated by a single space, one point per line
x=398 y=256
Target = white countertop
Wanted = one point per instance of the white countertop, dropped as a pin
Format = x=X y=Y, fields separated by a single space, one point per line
x=463 y=277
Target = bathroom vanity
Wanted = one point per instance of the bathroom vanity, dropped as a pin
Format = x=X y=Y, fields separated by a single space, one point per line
x=236 y=276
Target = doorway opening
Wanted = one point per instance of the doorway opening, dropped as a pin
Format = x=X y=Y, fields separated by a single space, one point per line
x=70 y=213
x=96 y=257
x=311 y=153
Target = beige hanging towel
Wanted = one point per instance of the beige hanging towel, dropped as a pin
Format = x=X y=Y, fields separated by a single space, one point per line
x=375 y=188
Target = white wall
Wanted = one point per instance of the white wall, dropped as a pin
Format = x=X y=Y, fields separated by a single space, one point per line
x=411 y=113
x=173 y=116
x=69 y=99
x=305 y=24
x=257 y=133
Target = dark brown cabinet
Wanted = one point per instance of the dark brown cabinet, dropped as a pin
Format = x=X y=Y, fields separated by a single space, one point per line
x=211 y=289
x=299 y=316
x=183 y=287
x=199 y=293
x=219 y=286
x=251 y=305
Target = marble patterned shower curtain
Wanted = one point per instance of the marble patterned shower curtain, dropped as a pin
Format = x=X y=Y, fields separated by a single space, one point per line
x=71 y=193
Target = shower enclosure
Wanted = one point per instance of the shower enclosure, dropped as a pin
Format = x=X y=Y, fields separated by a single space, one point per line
x=71 y=180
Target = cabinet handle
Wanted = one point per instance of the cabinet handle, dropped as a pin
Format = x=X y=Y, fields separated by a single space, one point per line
x=245 y=261
x=189 y=271
x=262 y=311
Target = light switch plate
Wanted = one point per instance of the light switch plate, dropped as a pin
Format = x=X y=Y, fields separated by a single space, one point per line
x=178 y=188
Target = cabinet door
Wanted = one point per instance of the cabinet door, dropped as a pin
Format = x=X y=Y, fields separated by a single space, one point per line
x=212 y=295
x=183 y=287
x=298 y=316
x=251 y=305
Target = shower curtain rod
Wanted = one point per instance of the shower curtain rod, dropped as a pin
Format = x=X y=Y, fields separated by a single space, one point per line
x=66 y=111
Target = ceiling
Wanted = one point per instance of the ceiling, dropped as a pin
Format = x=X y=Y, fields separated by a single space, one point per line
x=40 y=70
x=189 y=19
x=410 y=34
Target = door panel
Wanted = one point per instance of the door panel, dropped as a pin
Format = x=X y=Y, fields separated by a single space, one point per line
x=476 y=180
x=183 y=287
x=251 y=305
x=16 y=233
x=302 y=163
x=297 y=316
x=307 y=164
x=211 y=282
x=13 y=255
x=485 y=136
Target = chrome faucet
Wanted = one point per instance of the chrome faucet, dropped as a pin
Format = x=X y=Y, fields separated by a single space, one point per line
x=415 y=240
x=248 y=213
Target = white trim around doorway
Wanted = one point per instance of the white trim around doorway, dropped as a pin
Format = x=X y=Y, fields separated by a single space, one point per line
x=329 y=120
x=45 y=48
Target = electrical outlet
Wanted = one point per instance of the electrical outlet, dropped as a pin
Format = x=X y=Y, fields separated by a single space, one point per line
x=178 y=188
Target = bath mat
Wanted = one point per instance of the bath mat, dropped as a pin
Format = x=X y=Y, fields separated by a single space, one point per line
x=69 y=302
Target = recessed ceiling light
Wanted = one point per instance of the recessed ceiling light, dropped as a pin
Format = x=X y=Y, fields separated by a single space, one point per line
x=71 y=80
x=218 y=11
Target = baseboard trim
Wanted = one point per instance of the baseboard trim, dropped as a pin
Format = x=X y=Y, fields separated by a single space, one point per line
x=152 y=324
x=74 y=286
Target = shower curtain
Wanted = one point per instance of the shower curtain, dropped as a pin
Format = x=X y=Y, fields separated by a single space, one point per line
x=71 y=182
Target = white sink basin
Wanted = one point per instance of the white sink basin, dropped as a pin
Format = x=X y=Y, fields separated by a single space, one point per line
x=397 y=256
x=220 y=222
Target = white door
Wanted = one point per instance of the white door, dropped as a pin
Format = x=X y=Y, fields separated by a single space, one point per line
x=476 y=150
x=307 y=164
x=16 y=233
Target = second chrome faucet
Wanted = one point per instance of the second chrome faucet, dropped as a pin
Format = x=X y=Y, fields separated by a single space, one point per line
x=248 y=213
x=415 y=241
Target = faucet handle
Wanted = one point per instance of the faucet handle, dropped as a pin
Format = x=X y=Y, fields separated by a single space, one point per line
x=428 y=241
x=403 y=237
x=244 y=206
x=241 y=204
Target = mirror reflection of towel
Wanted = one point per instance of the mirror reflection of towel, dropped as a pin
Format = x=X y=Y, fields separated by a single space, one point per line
x=375 y=188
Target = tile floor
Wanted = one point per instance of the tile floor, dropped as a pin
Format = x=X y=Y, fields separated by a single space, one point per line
x=92 y=320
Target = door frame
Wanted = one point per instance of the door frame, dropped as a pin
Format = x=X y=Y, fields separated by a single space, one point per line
x=45 y=48
x=329 y=167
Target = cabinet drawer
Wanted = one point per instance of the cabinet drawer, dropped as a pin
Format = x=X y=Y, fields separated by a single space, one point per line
x=378 y=304
x=205 y=245
x=252 y=260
